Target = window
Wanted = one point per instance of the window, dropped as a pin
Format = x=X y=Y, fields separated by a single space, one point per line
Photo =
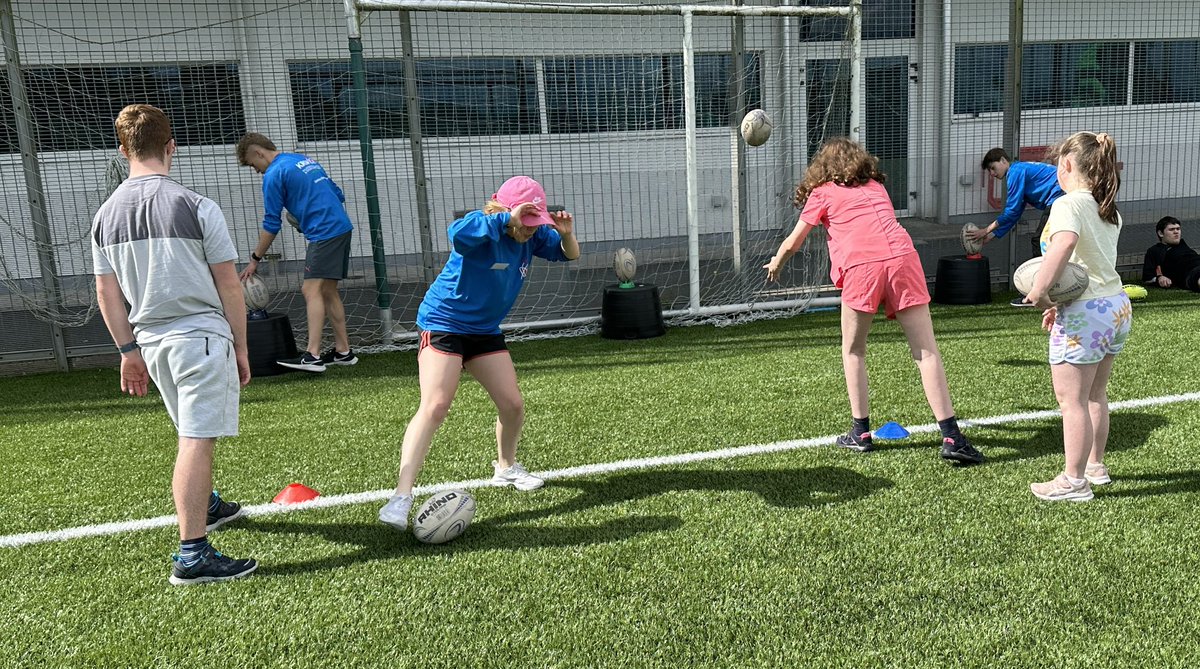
x=74 y=107
x=1054 y=75
x=1166 y=72
x=629 y=93
x=458 y=97
x=882 y=19
x=8 y=120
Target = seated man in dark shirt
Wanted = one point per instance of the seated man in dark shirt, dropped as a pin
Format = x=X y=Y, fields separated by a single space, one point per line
x=1171 y=262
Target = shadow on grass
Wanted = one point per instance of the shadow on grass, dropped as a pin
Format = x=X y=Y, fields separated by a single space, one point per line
x=1145 y=485
x=1037 y=439
x=1016 y=362
x=794 y=488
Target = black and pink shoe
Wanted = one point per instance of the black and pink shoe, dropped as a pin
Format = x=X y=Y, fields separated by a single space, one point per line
x=856 y=442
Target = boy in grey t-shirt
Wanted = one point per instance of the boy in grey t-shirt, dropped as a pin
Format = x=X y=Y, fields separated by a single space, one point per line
x=165 y=250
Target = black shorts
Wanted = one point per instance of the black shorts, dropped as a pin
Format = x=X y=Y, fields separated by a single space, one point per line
x=328 y=258
x=465 y=346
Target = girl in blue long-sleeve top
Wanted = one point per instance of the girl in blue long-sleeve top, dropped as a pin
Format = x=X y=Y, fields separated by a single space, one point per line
x=459 y=322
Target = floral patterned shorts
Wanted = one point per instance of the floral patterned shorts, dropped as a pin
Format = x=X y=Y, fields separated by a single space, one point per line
x=1086 y=331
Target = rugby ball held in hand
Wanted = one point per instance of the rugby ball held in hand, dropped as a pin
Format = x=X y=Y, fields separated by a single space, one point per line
x=1070 y=285
x=254 y=289
x=971 y=246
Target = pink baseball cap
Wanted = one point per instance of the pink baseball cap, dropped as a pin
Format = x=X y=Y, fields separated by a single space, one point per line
x=519 y=190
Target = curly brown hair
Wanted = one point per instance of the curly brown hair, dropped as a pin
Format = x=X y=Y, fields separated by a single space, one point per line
x=841 y=161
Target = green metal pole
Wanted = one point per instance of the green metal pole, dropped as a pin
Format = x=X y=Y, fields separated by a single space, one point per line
x=383 y=291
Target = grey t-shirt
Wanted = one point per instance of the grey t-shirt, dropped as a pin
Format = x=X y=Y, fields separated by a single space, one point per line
x=159 y=238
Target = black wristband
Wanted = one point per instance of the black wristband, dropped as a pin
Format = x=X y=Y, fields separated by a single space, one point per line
x=128 y=348
x=255 y=258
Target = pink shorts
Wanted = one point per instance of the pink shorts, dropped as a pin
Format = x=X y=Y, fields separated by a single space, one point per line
x=899 y=283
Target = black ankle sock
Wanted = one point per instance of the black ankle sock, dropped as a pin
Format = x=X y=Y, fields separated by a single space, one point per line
x=861 y=425
x=949 y=428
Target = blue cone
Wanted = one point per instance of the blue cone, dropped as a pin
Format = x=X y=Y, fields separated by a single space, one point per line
x=890 y=430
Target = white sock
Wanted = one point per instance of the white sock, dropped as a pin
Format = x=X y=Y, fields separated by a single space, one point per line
x=1075 y=483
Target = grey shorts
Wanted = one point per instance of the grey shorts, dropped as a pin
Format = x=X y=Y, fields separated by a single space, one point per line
x=196 y=374
x=328 y=259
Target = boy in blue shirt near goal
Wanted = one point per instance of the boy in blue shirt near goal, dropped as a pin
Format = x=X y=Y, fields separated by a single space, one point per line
x=459 y=322
x=299 y=184
x=1034 y=184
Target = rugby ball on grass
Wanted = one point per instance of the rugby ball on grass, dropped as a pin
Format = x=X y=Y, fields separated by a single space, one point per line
x=1070 y=285
x=444 y=517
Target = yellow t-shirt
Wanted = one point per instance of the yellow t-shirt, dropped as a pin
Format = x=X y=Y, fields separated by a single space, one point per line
x=1096 y=250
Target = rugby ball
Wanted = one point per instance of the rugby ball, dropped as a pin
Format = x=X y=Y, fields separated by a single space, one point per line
x=256 y=293
x=1070 y=285
x=292 y=220
x=756 y=127
x=624 y=264
x=971 y=246
x=443 y=517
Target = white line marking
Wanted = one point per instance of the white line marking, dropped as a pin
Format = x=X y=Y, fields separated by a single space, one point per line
x=323 y=502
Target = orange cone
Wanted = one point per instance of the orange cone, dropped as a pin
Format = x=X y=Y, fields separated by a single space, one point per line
x=295 y=493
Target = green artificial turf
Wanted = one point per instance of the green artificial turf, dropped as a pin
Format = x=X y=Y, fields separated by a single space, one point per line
x=812 y=557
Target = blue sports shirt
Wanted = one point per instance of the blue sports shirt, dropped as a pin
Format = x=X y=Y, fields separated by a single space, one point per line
x=299 y=184
x=1035 y=184
x=484 y=274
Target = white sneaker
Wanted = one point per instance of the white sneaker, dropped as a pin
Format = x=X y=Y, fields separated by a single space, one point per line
x=1060 y=489
x=1097 y=474
x=395 y=512
x=515 y=476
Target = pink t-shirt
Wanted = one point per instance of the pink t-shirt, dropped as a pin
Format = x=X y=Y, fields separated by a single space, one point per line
x=861 y=225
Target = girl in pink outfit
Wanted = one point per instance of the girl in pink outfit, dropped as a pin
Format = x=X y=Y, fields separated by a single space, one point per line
x=873 y=262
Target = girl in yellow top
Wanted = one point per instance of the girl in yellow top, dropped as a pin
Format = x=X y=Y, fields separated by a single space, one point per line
x=1086 y=334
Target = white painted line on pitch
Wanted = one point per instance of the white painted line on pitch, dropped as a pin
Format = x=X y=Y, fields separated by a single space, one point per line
x=323 y=502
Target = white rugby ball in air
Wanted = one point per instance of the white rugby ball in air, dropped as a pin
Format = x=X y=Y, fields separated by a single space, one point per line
x=756 y=127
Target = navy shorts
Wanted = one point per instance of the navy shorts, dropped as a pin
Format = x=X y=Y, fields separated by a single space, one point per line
x=328 y=258
x=465 y=346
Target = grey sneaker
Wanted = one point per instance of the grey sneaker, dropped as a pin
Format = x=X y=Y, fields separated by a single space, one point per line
x=516 y=476
x=395 y=512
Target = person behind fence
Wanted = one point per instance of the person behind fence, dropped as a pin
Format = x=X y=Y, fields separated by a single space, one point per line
x=300 y=185
x=459 y=322
x=1033 y=184
x=1171 y=263
x=166 y=251
x=1085 y=334
x=873 y=261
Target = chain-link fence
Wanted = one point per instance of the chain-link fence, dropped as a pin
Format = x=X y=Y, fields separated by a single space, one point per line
x=943 y=82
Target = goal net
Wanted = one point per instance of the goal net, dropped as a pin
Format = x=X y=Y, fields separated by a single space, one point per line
x=627 y=115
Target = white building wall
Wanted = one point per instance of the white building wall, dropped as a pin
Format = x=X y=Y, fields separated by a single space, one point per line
x=1157 y=144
